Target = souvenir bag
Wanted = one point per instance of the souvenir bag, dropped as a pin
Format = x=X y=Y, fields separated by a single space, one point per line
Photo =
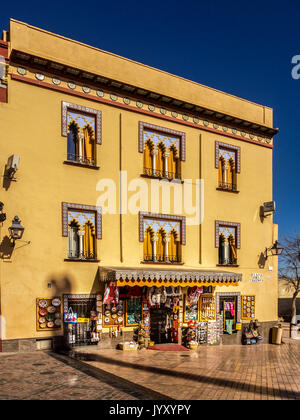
x=70 y=317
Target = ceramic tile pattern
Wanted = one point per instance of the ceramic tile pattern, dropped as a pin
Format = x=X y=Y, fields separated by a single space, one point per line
x=263 y=372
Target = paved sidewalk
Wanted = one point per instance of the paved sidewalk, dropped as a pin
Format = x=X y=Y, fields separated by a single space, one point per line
x=261 y=371
x=48 y=376
x=257 y=372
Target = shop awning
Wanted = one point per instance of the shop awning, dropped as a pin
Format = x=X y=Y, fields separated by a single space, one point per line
x=183 y=278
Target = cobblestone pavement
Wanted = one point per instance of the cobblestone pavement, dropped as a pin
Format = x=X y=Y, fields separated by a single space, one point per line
x=261 y=371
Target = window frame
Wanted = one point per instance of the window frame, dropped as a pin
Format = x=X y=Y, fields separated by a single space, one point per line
x=237 y=227
x=65 y=106
x=237 y=150
x=150 y=172
x=98 y=226
x=166 y=217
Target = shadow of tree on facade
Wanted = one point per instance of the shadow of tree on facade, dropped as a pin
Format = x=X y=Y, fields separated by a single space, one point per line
x=59 y=286
x=224 y=383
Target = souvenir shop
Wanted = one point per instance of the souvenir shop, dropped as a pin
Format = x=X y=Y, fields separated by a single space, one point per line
x=167 y=307
x=147 y=308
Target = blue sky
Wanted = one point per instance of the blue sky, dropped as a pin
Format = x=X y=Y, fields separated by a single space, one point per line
x=243 y=48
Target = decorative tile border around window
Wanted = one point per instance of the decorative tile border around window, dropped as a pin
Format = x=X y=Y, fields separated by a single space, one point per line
x=157 y=129
x=236 y=226
x=219 y=145
x=229 y=294
x=81 y=109
x=169 y=217
x=71 y=206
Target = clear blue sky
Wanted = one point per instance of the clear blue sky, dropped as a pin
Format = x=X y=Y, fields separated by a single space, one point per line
x=243 y=48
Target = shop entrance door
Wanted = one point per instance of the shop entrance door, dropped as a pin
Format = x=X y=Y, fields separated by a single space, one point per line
x=161 y=325
x=228 y=308
x=79 y=333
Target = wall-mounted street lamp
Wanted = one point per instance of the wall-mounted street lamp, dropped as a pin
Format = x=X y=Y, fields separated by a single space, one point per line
x=16 y=230
x=275 y=250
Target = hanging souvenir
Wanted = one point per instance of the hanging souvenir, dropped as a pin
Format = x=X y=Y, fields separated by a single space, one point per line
x=111 y=294
x=70 y=317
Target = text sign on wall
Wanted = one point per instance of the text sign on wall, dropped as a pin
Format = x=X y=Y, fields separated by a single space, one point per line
x=256 y=278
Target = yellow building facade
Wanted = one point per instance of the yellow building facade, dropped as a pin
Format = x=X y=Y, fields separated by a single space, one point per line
x=137 y=190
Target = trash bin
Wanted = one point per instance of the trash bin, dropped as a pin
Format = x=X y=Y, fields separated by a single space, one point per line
x=276 y=335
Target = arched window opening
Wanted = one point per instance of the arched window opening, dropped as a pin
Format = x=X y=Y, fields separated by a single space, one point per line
x=231 y=175
x=148 y=159
x=160 y=161
x=232 y=250
x=72 y=142
x=74 y=250
x=221 y=173
x=161 y=246
x=173 y=254
x=148 y=245
x=173 y=164
x=227 y=250
x=88 y=146
x=89 y=241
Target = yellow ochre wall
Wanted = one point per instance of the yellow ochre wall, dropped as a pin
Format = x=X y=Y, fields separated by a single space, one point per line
x=31 y=122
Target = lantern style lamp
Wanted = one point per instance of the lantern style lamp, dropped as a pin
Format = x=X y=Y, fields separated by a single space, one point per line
x=275 y=250
x=16 y=230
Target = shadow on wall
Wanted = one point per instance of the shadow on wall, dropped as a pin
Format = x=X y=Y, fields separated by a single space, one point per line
x=6 y=179
x=59 y=287
x=262 y=260
x=6 y=248
x=63 y=286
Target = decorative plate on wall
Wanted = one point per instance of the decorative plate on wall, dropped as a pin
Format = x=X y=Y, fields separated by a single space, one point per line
x=43 y=303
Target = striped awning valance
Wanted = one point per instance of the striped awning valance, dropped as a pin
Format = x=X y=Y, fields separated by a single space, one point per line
x=184 y=278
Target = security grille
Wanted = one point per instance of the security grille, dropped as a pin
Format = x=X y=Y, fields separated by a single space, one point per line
x=79 y=334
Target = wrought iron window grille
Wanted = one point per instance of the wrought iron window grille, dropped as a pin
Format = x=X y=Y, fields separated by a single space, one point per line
x=161 y=173
x=162 y=258
x=79 y=159
x=227 y=186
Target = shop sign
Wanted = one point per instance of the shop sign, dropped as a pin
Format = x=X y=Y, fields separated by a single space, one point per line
x=256 y=278
x=83 y=320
